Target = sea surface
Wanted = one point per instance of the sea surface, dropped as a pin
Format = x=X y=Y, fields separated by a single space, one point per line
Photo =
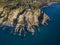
x=49 y=35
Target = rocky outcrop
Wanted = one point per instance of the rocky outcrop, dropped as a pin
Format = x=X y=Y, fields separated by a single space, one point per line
x=22 y=19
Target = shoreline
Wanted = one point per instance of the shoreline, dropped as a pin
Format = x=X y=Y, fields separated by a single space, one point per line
x=21 y=17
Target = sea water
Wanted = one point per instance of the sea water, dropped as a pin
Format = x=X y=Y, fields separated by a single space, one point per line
x=49 y=35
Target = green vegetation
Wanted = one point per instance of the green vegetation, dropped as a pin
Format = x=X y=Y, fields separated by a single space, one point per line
x=5 y=18
x=21 y=22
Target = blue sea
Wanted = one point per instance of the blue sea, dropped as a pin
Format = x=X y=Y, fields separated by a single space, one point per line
x=49 y=35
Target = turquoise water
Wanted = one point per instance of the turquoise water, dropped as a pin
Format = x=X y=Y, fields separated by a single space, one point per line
x=49 y=35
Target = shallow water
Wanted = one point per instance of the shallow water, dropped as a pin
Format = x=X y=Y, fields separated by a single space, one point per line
x=49 y=34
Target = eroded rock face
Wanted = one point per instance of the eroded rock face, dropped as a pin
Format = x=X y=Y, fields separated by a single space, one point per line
x=23 y=20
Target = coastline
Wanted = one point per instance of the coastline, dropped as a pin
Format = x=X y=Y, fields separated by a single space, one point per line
x=20 y=17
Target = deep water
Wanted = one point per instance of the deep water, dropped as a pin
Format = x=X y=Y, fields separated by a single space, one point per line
x=49 y=35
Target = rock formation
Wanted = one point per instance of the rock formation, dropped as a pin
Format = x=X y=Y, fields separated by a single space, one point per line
x=22 y=19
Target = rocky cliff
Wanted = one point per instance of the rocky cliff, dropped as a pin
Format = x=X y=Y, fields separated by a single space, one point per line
x=22 y=18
